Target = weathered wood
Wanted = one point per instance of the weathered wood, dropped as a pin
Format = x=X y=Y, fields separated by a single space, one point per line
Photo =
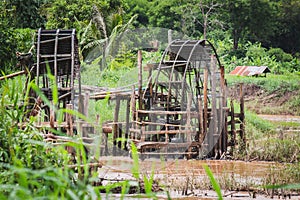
x=232 y=125
x=161 y=112
x=163 y=132
x=205 y=101
x=242 y=116
x=201 y=135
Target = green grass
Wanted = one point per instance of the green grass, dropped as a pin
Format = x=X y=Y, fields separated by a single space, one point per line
x=286 y=82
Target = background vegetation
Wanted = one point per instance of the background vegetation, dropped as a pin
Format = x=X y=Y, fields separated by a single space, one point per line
x=261 y=32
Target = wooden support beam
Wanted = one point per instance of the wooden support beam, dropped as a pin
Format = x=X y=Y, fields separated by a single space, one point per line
x=205 y=102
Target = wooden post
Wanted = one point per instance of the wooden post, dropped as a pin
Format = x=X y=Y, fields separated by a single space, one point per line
x=188 y=118
x=170 y=36
x=86 y=104
x=232 y=124
x=140 y=79
x=242 y=116
x=81 y=104
x=69 y=120
x=127 y=123
x=205 y=104
x=201 y=135
x=133 y=110
x=119 y=135
x=115 y=125
x=214 y=116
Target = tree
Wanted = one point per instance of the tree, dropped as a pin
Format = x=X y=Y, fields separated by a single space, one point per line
x=207 y=10
x=249 y=19
x=27 y=13
x=287 y=34
x=8 y=45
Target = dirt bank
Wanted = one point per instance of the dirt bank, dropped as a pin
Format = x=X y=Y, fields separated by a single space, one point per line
x=263 y=102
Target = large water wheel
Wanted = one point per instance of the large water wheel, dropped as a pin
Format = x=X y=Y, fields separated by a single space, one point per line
x=184 y=105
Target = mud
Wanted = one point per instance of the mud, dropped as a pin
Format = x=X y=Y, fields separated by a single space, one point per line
x=187 y=178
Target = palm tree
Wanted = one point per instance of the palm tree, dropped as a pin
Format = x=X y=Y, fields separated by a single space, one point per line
x=99 y=37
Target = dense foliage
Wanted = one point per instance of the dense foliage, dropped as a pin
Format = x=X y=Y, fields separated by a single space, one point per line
x=270 y=25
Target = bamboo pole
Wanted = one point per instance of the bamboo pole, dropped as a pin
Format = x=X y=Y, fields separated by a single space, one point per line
x=12 y=75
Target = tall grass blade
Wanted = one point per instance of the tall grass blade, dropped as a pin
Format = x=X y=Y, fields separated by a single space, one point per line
x=213 y=181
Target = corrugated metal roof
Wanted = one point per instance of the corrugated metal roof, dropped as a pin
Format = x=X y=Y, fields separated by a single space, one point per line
x=250 y=70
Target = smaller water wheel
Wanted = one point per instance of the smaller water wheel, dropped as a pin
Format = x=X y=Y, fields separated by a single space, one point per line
x=56 y=69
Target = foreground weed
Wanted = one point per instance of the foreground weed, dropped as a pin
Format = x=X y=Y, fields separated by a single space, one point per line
x=213 y=182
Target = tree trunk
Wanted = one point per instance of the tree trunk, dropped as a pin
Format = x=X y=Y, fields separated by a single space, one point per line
x=235 y=39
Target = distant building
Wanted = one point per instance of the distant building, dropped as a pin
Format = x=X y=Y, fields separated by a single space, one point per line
x=251 y=70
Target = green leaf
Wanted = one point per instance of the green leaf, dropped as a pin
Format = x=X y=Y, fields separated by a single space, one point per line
x=213 y=181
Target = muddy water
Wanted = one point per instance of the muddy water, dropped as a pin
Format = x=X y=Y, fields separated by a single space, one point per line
x=181 y=175
x=183 y=167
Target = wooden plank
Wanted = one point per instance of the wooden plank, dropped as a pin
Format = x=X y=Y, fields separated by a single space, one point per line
x=161 y=112
x=144 y=132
